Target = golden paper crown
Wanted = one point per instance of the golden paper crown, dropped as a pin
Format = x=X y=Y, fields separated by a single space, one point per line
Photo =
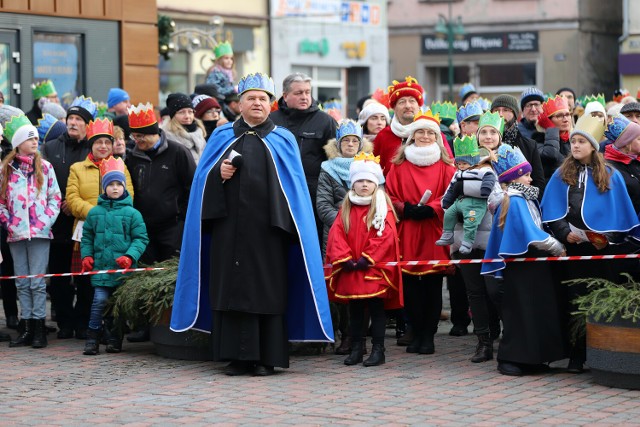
x=142 y=115
x=427 y=116
x=590 y=127
x=367 y=157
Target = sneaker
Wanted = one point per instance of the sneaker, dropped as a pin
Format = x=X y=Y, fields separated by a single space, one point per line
x=446 y=239
x=465 y=248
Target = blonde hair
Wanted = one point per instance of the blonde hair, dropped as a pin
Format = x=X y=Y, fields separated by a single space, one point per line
x=346 y=210
x=504 y=206
x=7 y=169
x=176 y=128
x=118 y=132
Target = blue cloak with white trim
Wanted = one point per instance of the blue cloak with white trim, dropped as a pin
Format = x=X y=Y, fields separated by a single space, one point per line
x=308 y=314
x=608 y=212
x=519 y=232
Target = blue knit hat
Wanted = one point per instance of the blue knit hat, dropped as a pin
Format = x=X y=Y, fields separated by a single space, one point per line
x=116 y=96
x=531 y=94
x=112 y=169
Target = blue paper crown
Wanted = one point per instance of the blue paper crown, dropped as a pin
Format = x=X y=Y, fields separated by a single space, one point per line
x=86 y=103
x=348 y=127
x=332 y=103
x=471 y=109
x=485 y=104
x=508 y=158
x=466 y=89
x=616 y=127
x=44 y=124
x=257 y=81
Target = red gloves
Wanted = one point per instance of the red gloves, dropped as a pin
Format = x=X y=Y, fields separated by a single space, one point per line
x=87 y=264
x=545 y=121
x=124 y=262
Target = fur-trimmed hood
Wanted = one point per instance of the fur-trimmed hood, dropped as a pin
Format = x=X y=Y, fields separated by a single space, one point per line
x=331 y=148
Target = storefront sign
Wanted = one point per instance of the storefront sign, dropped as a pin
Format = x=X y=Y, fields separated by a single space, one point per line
x=355 y=50
x=329 y=11
x=525 y=41
x=321 y=47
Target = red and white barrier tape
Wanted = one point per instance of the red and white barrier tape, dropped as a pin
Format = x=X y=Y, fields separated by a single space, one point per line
x=399 y=263
x=87 y=273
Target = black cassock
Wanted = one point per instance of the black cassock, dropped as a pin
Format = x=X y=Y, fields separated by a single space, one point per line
x=252 y=231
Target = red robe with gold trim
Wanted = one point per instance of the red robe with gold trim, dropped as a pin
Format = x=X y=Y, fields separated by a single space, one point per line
x=386 y=145
x=379 y=281
x=407 y=182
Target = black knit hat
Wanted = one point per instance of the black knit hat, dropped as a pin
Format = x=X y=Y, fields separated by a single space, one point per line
x=566 y=89
x=208 y=89
x=507 y=101
x=82 y=112
x=632 y=106
x=178 y=101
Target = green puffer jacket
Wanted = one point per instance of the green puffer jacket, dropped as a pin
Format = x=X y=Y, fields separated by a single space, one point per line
x=113 y=228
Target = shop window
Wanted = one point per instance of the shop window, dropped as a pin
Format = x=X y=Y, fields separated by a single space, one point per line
x=329 y=73
x=460 y=75
x=174 y=75
x=507 y=74
x=59 y=57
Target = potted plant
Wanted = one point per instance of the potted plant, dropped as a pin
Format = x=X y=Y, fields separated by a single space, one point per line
x=145 y=299
x=612 y=314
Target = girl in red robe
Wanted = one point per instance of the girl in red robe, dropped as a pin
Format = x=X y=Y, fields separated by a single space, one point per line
x=362 y=239
x=421 y=167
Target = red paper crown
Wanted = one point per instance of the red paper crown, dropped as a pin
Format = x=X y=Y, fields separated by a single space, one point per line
x=111 y=164
x=553 y=105
x=381 y=96
x=409 y=87
x=141 y=116
x=100 y=127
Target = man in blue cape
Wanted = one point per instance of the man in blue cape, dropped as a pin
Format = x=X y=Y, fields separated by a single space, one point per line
x=250 y=266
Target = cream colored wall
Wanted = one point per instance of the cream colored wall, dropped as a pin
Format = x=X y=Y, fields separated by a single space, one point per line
x=249 y=7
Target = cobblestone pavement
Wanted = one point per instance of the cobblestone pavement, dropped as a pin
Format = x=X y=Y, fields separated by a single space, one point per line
x=59 y=386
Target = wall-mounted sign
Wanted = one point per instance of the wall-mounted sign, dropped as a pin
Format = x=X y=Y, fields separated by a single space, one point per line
x=355 y=50
x=516 y=41
x=321 y=47
x=329 y=11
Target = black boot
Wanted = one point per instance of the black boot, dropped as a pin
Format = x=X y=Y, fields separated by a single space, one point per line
x=355 y=357
x=345 y=345
x=377 y=356
x=427 y=345
x=39 y=334
x=4 y=337
x=484 y=349
x=114 y=336
x=92 y=344
x=12 y=321
x=26 y=336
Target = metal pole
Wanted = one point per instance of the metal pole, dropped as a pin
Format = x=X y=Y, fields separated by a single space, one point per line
x=450 y=56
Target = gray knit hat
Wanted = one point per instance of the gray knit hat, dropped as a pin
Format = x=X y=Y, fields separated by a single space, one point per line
x=632 y=106
x=507 y=101
x=7 y=111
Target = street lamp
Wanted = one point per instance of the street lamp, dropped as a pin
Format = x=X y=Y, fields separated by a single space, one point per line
x=449 y=29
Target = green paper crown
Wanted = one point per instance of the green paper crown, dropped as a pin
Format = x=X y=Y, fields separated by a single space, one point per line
x=492 y=119
x=467 y=146
x=101 y=111
x=593 y=98
x=222 y=49
x=14 y=124
x=42 y=89
x=447 y=110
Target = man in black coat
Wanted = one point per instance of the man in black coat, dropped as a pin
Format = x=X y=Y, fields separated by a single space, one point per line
x=299 y=113
x=507 y=107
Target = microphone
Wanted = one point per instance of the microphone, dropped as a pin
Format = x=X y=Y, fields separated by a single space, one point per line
x=237 y=161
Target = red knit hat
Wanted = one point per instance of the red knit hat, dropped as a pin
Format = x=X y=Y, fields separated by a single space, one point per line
x=202 y=104
x=409 y=87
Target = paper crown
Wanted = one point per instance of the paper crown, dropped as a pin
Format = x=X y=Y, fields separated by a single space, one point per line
x=485 y=104
x=467 y=146
x=510 y=163
x=553 y=105
x=409 y=87
x=15 y=123
x=257 y=81
x=42 y=89
x=86 y=103
x=619 y=94
x=99 y=128
x=591 y=128
x=492 y=119
x=332 y=103
x=381 y=96
x=44 y=124
x=222 y=49
x=348 y=127
x=466 y=90
x=366 y=157
x=141 y=116
x=615 y=128
x=101 y=110
x=111 y=164
x=593 y=98
x=469 y=110
x=446 y=109
x=427 y=116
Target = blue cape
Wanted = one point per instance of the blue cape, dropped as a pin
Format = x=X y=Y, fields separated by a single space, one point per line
x=308 y=313
x=611 y=211
x=519 y=232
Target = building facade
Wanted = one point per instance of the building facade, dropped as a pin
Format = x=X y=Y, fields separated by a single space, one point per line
x=507 y=45
x=201 y=24
x=84 y=47
x=629 y=59
x=342 y=45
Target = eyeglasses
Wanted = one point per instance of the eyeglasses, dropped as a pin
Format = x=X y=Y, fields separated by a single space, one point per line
x=138 y=137
x=562 y=116
x=533 y=105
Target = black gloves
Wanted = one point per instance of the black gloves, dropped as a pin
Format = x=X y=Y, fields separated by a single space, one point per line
x=352 y=265
x=412 y=211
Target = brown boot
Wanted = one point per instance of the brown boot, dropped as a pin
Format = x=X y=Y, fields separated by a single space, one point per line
x=345 y=346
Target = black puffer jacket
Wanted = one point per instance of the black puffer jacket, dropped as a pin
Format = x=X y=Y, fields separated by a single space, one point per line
x=312 y=129
x=552 y=151
x=161 y=181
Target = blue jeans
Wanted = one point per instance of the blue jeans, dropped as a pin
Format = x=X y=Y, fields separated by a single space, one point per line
x=101 y=295
x=31 y=257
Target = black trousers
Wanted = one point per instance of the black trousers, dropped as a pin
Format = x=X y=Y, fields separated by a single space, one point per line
x=423 y=302
x=164 y=243
x=357 y=312
x=458 y=299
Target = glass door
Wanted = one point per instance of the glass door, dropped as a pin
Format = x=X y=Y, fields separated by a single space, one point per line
x=9 y=62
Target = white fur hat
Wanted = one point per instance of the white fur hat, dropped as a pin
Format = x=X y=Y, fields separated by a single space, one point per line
x=594 y=106
x=365 y=166
x=372 y=108
x=425 y=122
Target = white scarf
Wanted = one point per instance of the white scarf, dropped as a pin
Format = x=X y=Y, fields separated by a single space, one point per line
x=399 y=129
x=381 y=207
x=423 y=156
